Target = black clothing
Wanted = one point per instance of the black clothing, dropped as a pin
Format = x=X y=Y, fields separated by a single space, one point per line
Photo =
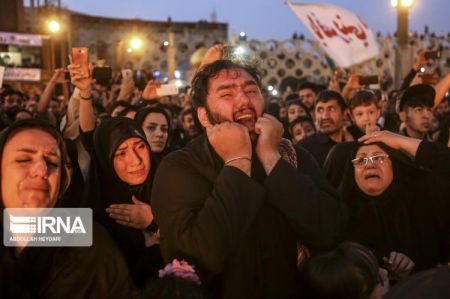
x=104 y=187
x=98 y=271
x=355 y=132
x=408 y=79
x=411 y=215
x=74 y=193
x=434 y=283
x=242 y=231
x=318 y=145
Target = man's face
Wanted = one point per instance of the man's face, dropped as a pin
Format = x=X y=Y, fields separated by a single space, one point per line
x=329 y=116
x=233 y=95
x=374 y=177
x=418 y=119
x=364 y=116
x=54 y=107
x=308 y=97
x=12 y=100
x=31 y=170
x=189 y=125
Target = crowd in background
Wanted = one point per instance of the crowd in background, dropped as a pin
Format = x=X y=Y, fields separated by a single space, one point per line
x=384 y=153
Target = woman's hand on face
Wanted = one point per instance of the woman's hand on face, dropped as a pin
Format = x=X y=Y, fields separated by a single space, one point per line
x=390 y=139
x=399 y=142
x=138 y=215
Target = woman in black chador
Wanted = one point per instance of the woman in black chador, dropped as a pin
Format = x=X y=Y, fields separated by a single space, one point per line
x=34 y=175
x=397 y=191
x=118 y=189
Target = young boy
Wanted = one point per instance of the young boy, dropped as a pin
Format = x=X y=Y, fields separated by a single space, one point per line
x=364 y=112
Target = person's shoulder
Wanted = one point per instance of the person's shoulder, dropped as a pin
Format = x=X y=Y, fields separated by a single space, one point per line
x=314 y=139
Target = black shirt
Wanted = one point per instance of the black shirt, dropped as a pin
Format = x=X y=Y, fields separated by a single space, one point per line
x=318 y=145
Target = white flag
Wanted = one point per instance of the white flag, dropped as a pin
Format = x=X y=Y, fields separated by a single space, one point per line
x=345 y=37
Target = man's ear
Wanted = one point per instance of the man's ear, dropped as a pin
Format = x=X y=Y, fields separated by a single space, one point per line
x=378 y=113
x=402 y=115
x=203 y=117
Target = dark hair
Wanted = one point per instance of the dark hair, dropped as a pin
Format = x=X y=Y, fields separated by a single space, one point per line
x=300 y=120
x=308 y=85
x=142 y=114
x=298 y=102
x=36 y=124
x=348 y=272
x=417 y=95
x=327 y=95
x=199 y=83
x=363 y=98
x=118 y=103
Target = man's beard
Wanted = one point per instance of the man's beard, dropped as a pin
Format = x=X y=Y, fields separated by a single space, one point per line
x=215 y=119
x=11 y=112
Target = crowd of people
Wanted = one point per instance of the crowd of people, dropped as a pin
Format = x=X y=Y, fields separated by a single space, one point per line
x=225 y=191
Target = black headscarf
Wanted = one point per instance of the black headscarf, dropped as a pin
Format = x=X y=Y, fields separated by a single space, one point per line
x=30 y=124
x=403 y=218
x=23 y=283
x=140 y=117
x=104 y=188
x=74 y=193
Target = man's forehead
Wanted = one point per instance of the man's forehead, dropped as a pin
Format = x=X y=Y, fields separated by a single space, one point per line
x=329 y=103
x=370 y=149
x=227 y=76
x=307 y=91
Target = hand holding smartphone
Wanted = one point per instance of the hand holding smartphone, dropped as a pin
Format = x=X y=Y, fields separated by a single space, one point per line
x=368 y=80
x=80 y=56
x=166 y=90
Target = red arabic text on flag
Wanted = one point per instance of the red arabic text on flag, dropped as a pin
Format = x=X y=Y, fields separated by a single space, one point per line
x=344 y=36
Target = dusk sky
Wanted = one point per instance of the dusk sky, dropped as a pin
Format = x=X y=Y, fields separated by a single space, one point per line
x=266 y=19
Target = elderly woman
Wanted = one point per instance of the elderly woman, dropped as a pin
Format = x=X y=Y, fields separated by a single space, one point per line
x=33 y=175
x=397 y=191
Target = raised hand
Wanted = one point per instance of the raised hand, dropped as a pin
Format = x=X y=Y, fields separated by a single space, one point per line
x=80 y=78
x=138 y=215
x=231 y=140
x=149 y=92
x=406 y=144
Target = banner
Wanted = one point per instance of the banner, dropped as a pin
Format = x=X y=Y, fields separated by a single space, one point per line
x=344 y=36
x=22 y=74
x=20 y=39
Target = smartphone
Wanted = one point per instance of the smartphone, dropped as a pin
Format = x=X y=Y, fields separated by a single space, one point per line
x=429 y=78
x=367 y=80
x=102 y=75
x=167 y=90
x=432 y=55
x=140 y=80
x=80 y=56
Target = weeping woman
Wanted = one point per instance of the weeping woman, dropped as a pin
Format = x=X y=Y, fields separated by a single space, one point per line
x=119 y=183
x=397 y=192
